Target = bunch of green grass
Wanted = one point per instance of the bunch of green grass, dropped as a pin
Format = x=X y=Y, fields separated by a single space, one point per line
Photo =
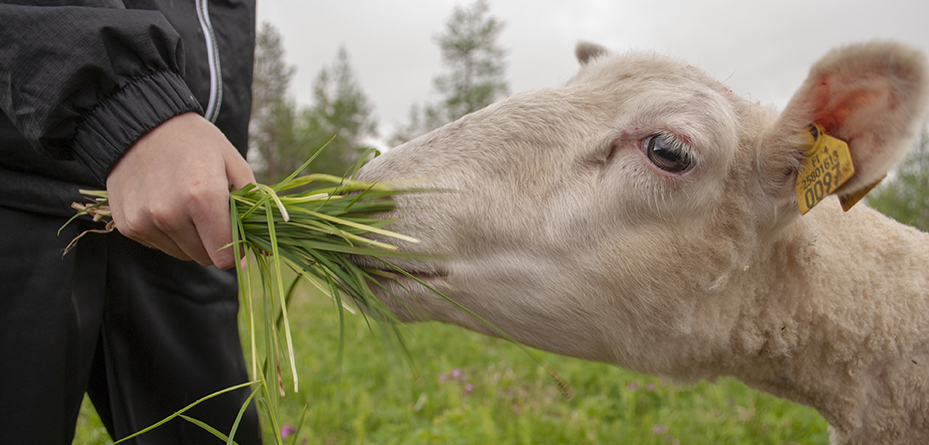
x=314 y=232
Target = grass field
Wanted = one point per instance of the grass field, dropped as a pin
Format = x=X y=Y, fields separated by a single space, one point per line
x=464 y=388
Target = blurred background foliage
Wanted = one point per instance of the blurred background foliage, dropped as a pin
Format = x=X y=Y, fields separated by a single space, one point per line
x=904 y=194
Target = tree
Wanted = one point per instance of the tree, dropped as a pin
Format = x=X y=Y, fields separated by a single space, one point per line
x=283 y=136
x=340 y=109
x=475 y=61
x=905 y=196
x=475 y=74
x=271 y=125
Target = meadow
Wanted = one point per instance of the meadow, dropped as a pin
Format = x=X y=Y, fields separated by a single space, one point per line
x=464 y=388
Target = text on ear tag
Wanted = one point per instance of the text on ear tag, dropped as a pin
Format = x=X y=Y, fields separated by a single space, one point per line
x=827 y=164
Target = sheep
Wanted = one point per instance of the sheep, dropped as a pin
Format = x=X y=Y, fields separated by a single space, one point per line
x=646 y=216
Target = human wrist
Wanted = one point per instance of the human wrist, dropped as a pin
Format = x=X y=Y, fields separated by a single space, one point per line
x=111 y=128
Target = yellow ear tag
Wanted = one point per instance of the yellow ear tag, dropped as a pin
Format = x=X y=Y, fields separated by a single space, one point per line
x=827 y=164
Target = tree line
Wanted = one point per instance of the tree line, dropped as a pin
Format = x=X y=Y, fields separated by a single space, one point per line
x=283 y=134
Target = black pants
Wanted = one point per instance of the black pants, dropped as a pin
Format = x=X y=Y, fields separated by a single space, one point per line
x=142 y=333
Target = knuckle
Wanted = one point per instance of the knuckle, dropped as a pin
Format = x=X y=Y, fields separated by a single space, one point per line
x=134 y=225
x=201 y=196
x=163 y=217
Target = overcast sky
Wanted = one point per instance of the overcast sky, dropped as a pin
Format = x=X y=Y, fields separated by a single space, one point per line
x=761 y=49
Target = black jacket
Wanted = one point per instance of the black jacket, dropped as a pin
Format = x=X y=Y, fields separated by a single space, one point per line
x=81 y=80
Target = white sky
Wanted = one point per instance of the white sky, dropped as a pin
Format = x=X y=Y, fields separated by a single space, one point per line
x=761 y=49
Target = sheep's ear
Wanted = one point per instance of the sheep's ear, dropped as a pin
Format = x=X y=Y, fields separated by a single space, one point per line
x=586 y=52
x=871 y=96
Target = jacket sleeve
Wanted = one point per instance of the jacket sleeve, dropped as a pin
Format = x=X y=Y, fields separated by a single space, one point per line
x=86 y=81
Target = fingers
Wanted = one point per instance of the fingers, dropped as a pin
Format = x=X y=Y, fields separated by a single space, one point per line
x=161 y=228
x=211 y=228
x=216 y=238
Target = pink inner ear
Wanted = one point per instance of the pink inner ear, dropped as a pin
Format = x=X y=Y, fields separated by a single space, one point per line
x=858 y=112
x=833 y=107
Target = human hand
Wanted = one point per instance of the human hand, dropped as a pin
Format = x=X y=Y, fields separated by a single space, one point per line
x=170 y=190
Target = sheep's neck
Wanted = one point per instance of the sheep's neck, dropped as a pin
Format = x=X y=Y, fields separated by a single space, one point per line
x=844 y=325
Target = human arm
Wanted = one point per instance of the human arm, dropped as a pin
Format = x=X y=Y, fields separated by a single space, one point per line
x=85 y=80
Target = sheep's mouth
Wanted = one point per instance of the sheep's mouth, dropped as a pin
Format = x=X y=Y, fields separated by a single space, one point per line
x=414 y=275
x=398 y=271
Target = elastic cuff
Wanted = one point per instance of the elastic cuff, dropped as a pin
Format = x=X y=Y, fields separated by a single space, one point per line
x=120 y=120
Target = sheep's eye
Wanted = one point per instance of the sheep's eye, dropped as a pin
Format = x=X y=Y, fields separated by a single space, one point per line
x=667 y=153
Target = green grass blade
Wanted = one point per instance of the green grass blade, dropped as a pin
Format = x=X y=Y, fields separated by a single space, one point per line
x=306 y=164
x=209 y=429
x=276 y=257
x=353 y=172
x=275 y=423
x=241 y=414
x=182 y=410
x=300 y=424
x=367 y=228
x=243 y=276
x=277 y=201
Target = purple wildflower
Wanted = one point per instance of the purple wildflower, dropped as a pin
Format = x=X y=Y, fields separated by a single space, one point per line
x=287 y=429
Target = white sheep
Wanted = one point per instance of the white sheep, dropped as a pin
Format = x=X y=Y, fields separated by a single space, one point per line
x=645 y=215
